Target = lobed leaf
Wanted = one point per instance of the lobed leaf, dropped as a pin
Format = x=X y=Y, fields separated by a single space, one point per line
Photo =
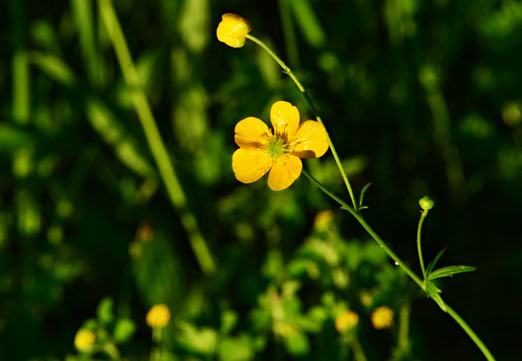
x=450 y=271
x=435 y=260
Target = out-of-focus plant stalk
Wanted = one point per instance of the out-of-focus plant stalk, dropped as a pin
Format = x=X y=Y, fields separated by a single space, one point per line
x=156 y=145
x=358 y=351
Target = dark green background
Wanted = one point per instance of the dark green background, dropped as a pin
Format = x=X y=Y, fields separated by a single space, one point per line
x=418 y=97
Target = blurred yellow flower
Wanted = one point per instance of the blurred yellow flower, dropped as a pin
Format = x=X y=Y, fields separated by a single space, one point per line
x=323 y=220
x=158 y=316
x=84 y=340
x=261 y=151
x=345 y=321
x=382 y=317
x=232 y=30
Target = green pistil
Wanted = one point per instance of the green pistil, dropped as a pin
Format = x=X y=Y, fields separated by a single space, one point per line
x=276 y=147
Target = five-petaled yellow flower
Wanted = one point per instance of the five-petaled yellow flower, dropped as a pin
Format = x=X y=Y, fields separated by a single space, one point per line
x=232 y=30
x=158 y=316
x=261 y=151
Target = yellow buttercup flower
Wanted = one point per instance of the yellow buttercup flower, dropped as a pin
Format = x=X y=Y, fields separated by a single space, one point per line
x=84 y=340
x=345 y=321
x=158 y=316
x=261 y=151
x=232 y=30
x=382 y=317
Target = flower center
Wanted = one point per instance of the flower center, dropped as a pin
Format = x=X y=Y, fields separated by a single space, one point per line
x=276 y=147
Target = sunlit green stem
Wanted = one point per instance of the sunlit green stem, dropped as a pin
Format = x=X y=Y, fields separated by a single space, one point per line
x=419 y=247
x=291 y=74
x=401 y=264
x=157 y=147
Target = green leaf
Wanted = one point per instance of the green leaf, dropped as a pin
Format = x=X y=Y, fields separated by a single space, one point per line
x=361 y=197
x=228 y=321
x=123 y=330
x=235 y=349
x=202 y=341
x=104 y=311
x=297 y=344
x=54 y=67
x=434 y=293
x=434 y=262
x=450 y=271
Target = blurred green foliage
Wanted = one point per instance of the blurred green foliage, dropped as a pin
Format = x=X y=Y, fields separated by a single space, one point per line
x=419 y=98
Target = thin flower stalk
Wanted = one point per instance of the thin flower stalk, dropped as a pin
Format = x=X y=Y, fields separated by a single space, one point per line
x=291 y=74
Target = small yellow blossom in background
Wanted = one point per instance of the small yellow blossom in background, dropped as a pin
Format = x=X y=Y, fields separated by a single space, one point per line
x=232 y=30
x=323 y=220
x=261 y=151
x=382 y=317
x=84 y=340
x=366 y=298
x=345 y=321
x=158 y=316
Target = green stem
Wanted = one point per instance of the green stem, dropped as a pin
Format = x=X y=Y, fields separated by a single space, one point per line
x=157 y=147
x=419 y=248
x=111 y=350
x=368 y=229
x=470 y=333
x=288 y=31
x=358 y=351
x=291 y=74
x=401 y=264
x=404 y=323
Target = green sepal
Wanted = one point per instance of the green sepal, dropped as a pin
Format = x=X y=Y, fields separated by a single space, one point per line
x=435 y=260
x=434 y=293
x=450 y=271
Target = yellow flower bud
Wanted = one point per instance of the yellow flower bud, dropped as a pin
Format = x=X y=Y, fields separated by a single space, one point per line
x=345 y=321
x=382 y=317
x=158 y=316
x=84 y=340
x=232 y=30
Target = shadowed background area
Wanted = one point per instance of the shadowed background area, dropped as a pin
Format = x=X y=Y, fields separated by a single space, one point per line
x=419 y=97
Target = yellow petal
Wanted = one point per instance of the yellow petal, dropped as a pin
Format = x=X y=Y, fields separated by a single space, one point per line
x=232 y=30
x=251 y=133
x=250 y=165
x=285 y=170
x=311 y=140
x=285 y=119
